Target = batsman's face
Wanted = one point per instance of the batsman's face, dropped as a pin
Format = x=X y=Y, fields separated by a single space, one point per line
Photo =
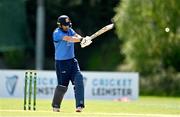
x=65 y=28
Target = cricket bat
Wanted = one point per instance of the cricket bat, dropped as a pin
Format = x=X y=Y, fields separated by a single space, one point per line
x=102 y=30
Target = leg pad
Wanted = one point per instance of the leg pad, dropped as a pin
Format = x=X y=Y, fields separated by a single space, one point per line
x=58 y=95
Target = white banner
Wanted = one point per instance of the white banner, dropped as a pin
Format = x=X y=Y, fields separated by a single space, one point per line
x=98 y=85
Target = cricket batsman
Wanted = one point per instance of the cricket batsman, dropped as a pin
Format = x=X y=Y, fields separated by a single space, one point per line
x=66 y=65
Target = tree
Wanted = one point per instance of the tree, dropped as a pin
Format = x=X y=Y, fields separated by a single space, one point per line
x=13 y=34
x=13 y=25
x=147 y=46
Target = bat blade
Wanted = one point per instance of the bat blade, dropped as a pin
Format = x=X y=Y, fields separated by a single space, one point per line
x=102 y=30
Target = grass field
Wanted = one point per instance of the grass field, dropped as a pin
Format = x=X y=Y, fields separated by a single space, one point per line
x=144 y=107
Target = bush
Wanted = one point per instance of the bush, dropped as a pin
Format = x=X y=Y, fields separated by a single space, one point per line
x=16 y=59
x=163 y=84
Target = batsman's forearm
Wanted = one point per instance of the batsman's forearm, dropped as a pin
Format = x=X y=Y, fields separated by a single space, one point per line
x=71 y=39
x=77 y=40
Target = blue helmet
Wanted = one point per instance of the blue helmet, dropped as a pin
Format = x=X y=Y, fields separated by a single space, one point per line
x=64 y=20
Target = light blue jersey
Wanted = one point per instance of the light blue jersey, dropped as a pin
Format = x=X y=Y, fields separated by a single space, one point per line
x=63 y=50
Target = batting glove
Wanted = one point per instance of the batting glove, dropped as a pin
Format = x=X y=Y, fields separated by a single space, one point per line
x=86 y=41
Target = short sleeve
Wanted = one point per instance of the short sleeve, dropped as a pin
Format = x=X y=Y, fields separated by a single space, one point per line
x=72 y=32
x=56 y=36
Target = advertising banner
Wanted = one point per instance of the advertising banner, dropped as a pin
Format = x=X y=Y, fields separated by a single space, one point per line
x=98 y=85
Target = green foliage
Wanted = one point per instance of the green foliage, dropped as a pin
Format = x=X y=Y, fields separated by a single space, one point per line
x=13 y=25
x=141 y=25
x=16 y=59
x=14 y=39
x=148 y=48
x=164 y=84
